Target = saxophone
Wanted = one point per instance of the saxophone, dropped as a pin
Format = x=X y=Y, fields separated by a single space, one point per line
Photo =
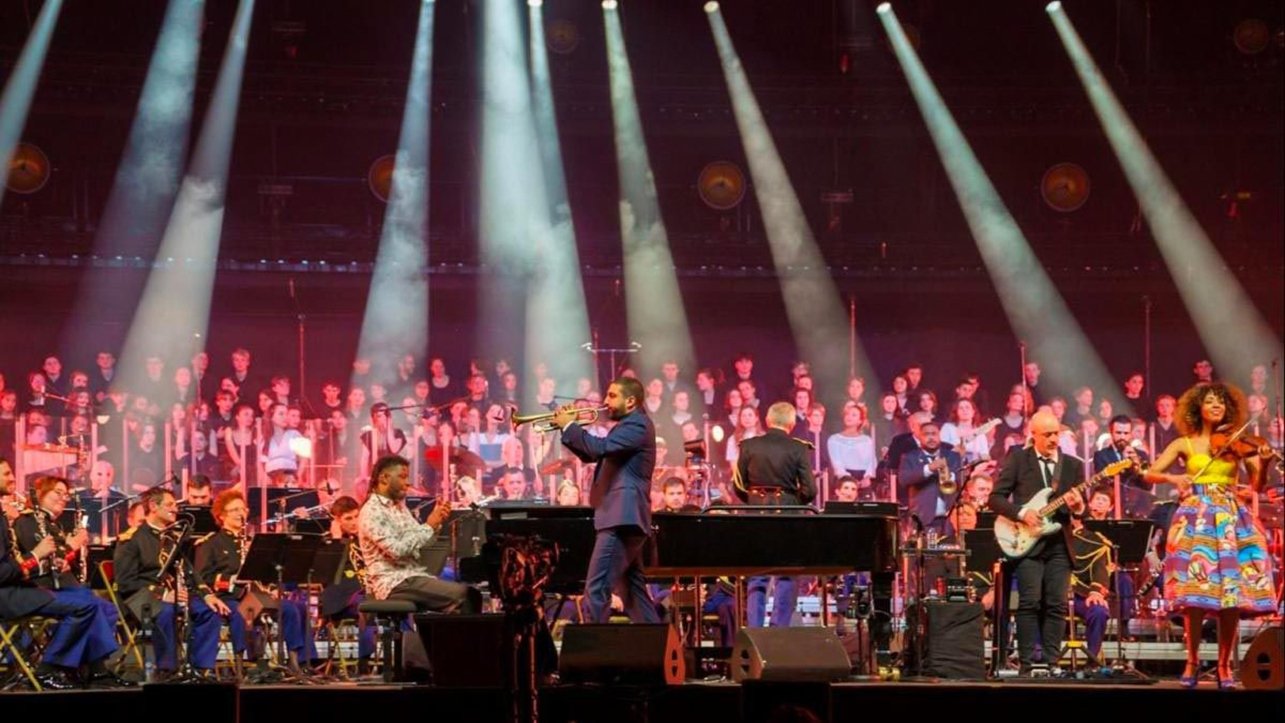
x=357 y=561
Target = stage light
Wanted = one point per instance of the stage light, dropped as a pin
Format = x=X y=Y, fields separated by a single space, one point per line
x=1226 y=319
x=535 y=3
x=1035 y=308
x=176 y=298
x=395 y=321
x=653 y=301
x=608 y=4
x=1053 y=7
x=556 y=316
x=884 y=8
x=19 y=89
x=302 y=446
x=149 y=173
x=812 y=303
x=711 y=7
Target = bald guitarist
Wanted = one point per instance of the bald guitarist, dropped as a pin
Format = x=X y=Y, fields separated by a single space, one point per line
x=1044 y=573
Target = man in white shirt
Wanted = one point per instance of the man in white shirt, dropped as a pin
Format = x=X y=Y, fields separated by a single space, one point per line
x=393 y=541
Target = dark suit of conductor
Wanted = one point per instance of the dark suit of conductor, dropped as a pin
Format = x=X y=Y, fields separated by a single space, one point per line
x=1044 y=574
x=621 y=498
x=774 y=469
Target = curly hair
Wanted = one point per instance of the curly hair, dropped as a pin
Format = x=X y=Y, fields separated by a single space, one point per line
x=1187 y=414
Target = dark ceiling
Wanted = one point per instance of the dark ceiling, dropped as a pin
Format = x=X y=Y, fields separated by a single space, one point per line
x=325 y=83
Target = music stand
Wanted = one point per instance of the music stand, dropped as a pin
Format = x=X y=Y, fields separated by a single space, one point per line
x=1129 y=538
x=278 y=559
x=985 y=554
x=204 y=518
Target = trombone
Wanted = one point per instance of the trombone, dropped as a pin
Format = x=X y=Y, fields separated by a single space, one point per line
x=543 y=421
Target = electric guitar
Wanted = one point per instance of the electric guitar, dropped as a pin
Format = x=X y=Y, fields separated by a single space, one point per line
x=1016 y=538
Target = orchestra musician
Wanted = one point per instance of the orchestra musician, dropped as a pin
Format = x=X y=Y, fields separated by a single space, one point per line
x=1216 y=559
x=219 y=556
x=620 y=496
x=339 y=600
x=1044 y=573
x=392 y=540
x=84 y=635
x=138 y=565
x=774 y=469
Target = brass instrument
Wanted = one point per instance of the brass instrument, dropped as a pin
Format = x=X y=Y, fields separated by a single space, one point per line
x=947 y=484
x=357 y=561
x=543 y=421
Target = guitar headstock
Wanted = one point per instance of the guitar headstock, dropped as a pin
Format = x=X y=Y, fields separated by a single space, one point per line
x=1115 y=468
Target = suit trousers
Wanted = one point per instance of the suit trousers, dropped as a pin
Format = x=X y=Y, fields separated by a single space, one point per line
x=1043 y=579
x=616 y=566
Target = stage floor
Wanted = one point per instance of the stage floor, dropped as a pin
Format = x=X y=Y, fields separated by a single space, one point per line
x=704 y=702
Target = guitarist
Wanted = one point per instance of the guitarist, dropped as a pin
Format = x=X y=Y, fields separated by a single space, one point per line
x=1043 y=574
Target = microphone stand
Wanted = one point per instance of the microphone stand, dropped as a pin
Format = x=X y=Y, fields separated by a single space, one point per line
x=1021 y=353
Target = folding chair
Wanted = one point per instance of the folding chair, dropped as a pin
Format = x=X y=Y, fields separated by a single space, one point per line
x=11 y=642
x=129 y=642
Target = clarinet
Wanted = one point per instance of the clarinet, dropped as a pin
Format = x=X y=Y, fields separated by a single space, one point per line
x=42 y=526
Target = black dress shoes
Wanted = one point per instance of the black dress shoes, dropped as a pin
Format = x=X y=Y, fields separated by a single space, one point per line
x=55 y=680
x=108 y=679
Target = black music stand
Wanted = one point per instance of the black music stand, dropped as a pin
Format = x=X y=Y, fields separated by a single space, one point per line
x=1129 y=538
x=262 y=564
x=203 y=516
x=984 y=553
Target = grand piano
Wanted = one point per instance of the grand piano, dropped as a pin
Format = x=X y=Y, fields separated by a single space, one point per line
x=746 y=541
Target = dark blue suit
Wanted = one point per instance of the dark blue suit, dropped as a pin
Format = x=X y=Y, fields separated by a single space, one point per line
x=923 y=491
x=1134 y=504
x=621 y=497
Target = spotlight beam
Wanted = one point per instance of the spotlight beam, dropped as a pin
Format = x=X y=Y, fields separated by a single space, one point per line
x=812 y=303
x=176 y=298
x=513 y=211
x=151 y=167
x=1031 y=301
x=396 y=316
x=557 y=320
x=655 y=313
x=15 y=102
x=1229 y=325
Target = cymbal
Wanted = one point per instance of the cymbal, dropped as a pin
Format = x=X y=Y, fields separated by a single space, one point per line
x=557 y=466
x=459 y=456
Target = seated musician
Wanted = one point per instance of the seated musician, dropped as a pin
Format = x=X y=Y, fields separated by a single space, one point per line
x=151 y=600
x=85 y=633
x=1101 y=503
x=392 y=541
x=1091 y=564
x=200 y=493
x=219 y=556
x=339 y=600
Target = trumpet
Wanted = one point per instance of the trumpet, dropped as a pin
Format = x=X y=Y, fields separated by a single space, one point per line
x=543 y=421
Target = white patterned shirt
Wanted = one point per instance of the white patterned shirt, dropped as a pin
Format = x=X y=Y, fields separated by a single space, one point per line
x=391 y=541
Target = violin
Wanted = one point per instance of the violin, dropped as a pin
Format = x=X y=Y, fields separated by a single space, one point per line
x=1225 y=444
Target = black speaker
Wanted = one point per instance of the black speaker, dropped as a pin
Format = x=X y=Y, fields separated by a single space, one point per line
x=467 y=650
x=622 y=654
x=789 y=654
x=1264 y=665
x=953 y=633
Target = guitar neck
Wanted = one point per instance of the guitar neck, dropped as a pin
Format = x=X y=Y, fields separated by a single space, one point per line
x=1060 y=501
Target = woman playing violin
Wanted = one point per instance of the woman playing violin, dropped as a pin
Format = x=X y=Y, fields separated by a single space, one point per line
x=1216 y=554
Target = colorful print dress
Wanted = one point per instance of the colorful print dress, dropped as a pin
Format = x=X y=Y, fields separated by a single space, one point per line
x=1216 y=553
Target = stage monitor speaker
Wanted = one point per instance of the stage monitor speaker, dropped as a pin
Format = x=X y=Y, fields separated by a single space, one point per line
x=1264 y=665
x=622 y=654
x=953 y=646
x=789 y=654
x=467 y=650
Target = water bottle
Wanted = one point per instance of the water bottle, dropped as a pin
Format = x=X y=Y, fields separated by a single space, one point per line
x=149 y=668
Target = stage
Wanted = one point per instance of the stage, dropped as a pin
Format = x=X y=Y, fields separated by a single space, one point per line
x=1045 y=702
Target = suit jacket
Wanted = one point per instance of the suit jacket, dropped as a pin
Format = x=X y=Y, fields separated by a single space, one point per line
x=1109 y=455
x=923 y=490
x=18 y=595
x=776 y=459
x=1022 y=477
x=626 y=458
